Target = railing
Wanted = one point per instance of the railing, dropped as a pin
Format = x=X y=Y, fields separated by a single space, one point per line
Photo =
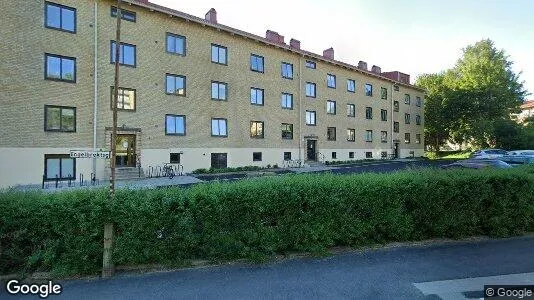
x=321 y=157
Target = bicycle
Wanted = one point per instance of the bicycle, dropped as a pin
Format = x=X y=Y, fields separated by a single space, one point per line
x=168 y=171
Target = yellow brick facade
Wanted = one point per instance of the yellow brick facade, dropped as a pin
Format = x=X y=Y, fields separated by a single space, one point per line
x=24 y=92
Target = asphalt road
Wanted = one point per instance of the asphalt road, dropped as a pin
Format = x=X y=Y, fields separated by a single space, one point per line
x=408 y=272
x=385 y=167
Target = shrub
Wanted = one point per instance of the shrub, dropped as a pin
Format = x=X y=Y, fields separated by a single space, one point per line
x=256 y=218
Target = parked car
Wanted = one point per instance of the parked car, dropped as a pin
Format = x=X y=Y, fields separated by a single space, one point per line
x=518 y=159
x=478 y=164
x=521 y=152
x=488 y=153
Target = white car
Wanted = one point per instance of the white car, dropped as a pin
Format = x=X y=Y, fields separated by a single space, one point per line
x=521 y=152
x=488 y=153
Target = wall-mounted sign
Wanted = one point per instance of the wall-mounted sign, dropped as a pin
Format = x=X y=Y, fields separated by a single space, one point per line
x=90 y=154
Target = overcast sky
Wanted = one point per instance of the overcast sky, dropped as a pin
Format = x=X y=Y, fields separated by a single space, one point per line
x=413 y=36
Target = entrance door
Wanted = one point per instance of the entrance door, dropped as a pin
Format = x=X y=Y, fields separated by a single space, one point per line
x=396 y=150
x=219 y=160
x=125 y=155
x=311 y=150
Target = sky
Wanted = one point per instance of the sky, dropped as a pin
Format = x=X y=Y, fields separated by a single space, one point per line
x=413 y=36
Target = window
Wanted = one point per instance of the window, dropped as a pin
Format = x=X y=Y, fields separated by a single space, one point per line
x=418 y=101
x=368 y=89
x=351 y=135
x=351 y=110
x=406 y=118
x=368 y=154
x=256 y=63
x=125 y=14
x=331 y=81
x=331 y=107
x=219 y=160
x=331 y=133
x=310 y=64
x=219 y=127
x=395 y=105
x=174 y=158
x=351 y=85
x=417 y=120
x=256 y=96
x=175 y=85
x=60 y=166
x=287 y=131
x=256 y=129
x=218 y=90
x=396 y=88
x=60 y=17
x=174 y=125
x=175 y=44
x=383 y=93
x=418 y=138
x=219 y=54
x=396 y=127
x=287 y=155
x=126 y=99
x=310 y=118
x=127 y=55
x=310 y=89
x=60 y=118
x=407 y=99
x=383 y=115
x=61 y=68
x=287 y=70
x=407 y=138
x=384 y=136
x=351 y=154
x=369 y=113
x=256 y=156
x=287 y=101
x=383 y=154
x=334 y=155
x=368 y=135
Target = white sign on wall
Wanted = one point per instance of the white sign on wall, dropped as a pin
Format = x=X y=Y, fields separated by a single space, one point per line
x=90 y=154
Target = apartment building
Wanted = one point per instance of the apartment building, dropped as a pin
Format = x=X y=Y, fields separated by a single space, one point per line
x=192 y=92
x=527 y=111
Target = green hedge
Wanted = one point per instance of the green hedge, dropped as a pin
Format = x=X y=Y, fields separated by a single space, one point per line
x=256 y=218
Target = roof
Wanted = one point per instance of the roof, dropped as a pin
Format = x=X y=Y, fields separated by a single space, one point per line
x=527 y=104
x=234 y=31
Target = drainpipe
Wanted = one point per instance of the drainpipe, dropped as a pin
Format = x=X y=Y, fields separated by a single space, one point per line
x=392 y=114
x=300 y=109
x=95 y=77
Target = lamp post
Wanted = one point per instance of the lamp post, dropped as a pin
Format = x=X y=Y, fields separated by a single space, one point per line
x=108 y=267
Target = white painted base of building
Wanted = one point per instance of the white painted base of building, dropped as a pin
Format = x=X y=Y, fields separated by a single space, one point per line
x=22 y=166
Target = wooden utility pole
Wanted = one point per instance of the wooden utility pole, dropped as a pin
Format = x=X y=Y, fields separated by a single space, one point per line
x=108 y=267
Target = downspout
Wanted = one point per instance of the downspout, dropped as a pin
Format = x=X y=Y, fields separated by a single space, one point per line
x=300 y=110
x=95 y=76
x=392 y=114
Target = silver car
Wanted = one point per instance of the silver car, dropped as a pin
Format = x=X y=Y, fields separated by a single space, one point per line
x=488 y=154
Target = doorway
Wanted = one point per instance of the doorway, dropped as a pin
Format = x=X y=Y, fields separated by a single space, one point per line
x=311 y=152
x=396 y=150
x=125 y=153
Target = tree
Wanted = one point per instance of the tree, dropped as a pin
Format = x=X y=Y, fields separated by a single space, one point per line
x=465 y=103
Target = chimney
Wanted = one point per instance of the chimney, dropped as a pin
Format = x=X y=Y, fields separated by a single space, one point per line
x=211 y=16
x=294 y=44
x=397 y=76
x=362 y=65
x=274 y=37
x=329 y=53
x=376 y=69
